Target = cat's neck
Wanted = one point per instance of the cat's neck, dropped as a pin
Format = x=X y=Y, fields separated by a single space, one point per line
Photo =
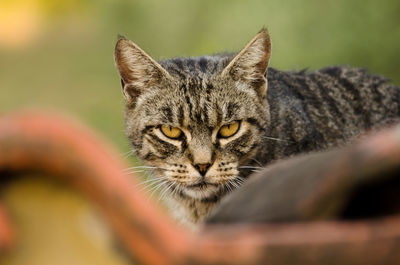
x=189 y=211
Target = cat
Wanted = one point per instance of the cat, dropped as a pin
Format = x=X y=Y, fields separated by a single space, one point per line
x=206 y=123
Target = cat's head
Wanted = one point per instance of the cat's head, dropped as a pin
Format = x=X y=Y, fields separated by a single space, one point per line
x=197 y=120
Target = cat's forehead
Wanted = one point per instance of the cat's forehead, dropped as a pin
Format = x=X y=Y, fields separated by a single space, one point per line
x=196 y=67
x=198 y=104
x=198 y=97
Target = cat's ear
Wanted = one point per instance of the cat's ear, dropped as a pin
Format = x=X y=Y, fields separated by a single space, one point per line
x=137 y=69
x=250 y=64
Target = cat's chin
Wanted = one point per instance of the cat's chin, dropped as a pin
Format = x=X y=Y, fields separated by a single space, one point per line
x=201 y=192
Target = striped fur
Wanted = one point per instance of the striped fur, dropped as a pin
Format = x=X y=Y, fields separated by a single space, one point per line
x=300 y=112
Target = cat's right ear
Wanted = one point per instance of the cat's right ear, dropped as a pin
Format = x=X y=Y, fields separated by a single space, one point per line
x=137 y=69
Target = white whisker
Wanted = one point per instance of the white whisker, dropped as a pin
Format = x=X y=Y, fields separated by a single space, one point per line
x=258 y=162
x=239 y=180
x=136 y=171
x=126 y=154
x=235 y=184
x=149 y=188
x=276 y=139
x=251 y=167
x=232 y=186
x=164 y=192
x=149 y=183
x=228 y=186
x=176 y=189
x=142 y=167
x=156 y=187
x=152 y=179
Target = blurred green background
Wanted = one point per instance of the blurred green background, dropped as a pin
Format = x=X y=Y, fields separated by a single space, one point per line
x=58 y=54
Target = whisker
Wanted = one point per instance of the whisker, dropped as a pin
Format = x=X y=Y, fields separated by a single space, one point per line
x=136 y=171
x=232 y=186
x=258 y=162
x=151 y=179
x=251 y=167
x=228 y=186
x=277 y=139
x=144 y=173
x=239 y=180
x=141 y=167
x=164 y=192
x=235 y=183
x=126 y=154
x=174 y=189
x=149 y=182
x=177 y=188
x=159 y=185
x=150 y=187
x=155 y=190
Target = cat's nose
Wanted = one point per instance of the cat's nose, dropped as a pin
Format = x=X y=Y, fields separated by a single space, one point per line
x=202 y=168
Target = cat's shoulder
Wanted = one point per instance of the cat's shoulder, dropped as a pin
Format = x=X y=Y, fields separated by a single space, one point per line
x=330 y=76
x=335 y=71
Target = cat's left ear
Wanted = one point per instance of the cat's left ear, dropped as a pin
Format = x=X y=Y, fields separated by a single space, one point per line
x=250 y=65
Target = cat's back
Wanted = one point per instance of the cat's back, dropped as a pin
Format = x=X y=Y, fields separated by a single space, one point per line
x=318 y=109
x=339 y=94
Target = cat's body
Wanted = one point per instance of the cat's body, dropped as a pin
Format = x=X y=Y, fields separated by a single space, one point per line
x=317 y=110
x=206 y=123
x=309 y=111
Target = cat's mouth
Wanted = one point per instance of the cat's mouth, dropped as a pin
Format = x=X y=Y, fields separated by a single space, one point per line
x=201 y=185
x=201 y=189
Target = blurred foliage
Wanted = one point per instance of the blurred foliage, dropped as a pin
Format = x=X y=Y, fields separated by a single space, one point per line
x=68 y=65
x=52 y=8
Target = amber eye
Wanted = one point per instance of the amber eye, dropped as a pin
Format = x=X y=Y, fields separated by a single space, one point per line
x=229 y=129
x=171 y=132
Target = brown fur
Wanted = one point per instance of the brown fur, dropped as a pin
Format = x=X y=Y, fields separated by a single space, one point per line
x=294 y=112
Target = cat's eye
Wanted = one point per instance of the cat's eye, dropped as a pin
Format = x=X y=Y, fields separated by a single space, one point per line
x=171 y=132
x=229 y=130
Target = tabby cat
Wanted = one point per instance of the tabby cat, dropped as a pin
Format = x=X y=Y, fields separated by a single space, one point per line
x=205 y=123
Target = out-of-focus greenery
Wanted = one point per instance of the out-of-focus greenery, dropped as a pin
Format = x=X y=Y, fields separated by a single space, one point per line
x=68 y=65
